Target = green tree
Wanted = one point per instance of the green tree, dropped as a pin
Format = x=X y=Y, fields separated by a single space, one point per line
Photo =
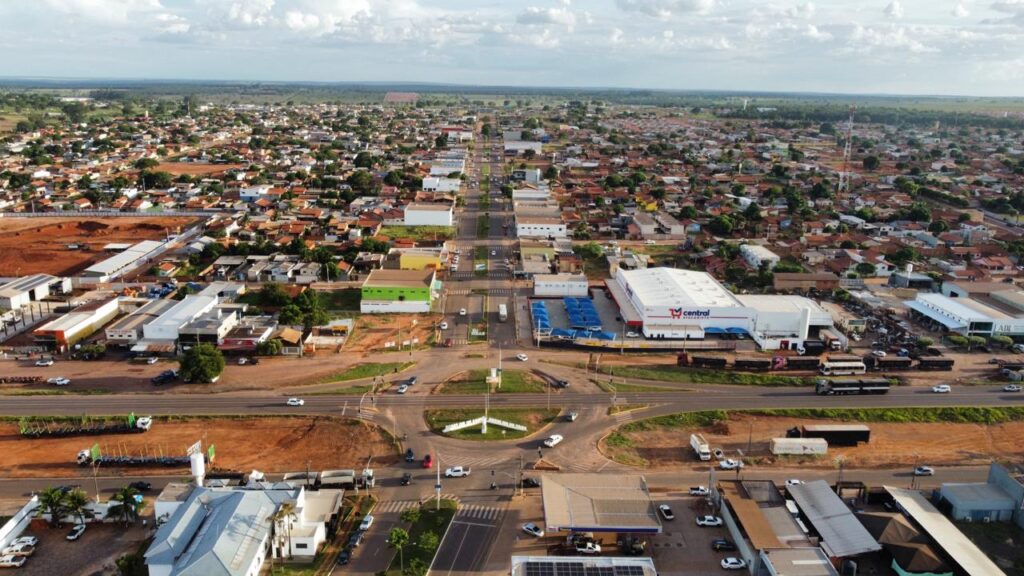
x=144 y=163
x=397 y=539
x=416 y=567
x=202 y=363
x=1001 y=341
x=77 y=504
x=429 y=541
x=273 y=295
x=865 y=269
x=721 y=225
x=290 y=315
x=411 y=515
x=957 y=340
x=588 y=251
x=284 y=515
x=52 y=501
x=924 y=342
x=125 y=507
x=871 y=163
x=364 y=160
x=269 y=348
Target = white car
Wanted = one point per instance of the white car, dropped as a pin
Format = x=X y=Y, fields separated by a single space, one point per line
x=59 y=381
x=942 y=389
x=30 y=540
x=699 y=491
x=632 y=335
x=924 y=471
x=794 y=482
x=732 y=563
x=44 y=362
x=1012 y=388
x=403 y=388
x=76 y=532
x=730 y=464
x=709 y=521
x=522 y=357
x=462 y=311
x=588 y=548
x=553 y=440
x=18 y=550
x=152 y=360
x=533 y=530
x=366 y=523
x=12 y=561
x=494 y=252
x=878 y=353
x=666 y=512
x=444 y=326
x=296 y=402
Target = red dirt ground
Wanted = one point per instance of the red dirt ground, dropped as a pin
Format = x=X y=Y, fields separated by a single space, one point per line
x=39 y=245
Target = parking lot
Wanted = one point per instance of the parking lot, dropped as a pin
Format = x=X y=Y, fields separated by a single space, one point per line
x=94 y=552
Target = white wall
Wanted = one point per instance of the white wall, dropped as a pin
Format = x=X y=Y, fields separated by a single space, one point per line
x=559 y=286
x=415 y=217
x=394 y=307
x=540 y=230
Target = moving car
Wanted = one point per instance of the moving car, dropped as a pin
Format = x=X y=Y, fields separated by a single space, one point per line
x=942 y=389
x=444 y=326
x=462 y=311
x=140 y=485
x=344 y=557
x=732 y=563
x=730 y=464
x=406 y=479
x=666 y=512
x=794 y=482
x=572 y=416
x=722 y=545
x=76 y=532
x=709 y=521
x=457 y=472
x=522 y=357
x=561 y=384
x=533 y=530
x=924 y=471
x=699 y=491
x=411 y=381
x=553 y=440
x=44 y=362
x=154 y=360
x=59 y=381
x=296 y=402
x=531 y=483
x=403 y=388
x=366 y=523
x=409 y=455
x=494 y=252
x=1012 y=388
x=12 y=561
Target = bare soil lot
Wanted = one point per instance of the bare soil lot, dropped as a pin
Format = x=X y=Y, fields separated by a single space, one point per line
x=279 y=444
x=891 y=446
x=373 y=331
x=39 y=245
x=94 y=553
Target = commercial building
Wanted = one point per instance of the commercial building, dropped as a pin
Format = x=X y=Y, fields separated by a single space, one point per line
x=965 y=316
x=841 y=535
x=135 y=257
x=399 y=291
x=669 y=303
x=441 y=184
x=429 y=214
x=229 y=531
x=598 y=503
x=756 y=255
x=540 y=227
x=999 y=499
x=576 y=566
x=417 y=258
x=556 y=285
x=196 y=318
x=62 y=333
x=128 y=330
x=956 y=548
x=20 y=292
x=804 y=281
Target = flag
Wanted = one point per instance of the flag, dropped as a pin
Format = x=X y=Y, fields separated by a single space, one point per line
x=131 y=420
x=94 y=452
x=210 y=453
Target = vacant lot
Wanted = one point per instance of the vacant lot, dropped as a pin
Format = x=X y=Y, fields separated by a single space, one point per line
x=94 y=553
x=475 y=382
x=267 y=444
x=892 y=444
x=40 y=245
x=195 y=169
x=373 y=332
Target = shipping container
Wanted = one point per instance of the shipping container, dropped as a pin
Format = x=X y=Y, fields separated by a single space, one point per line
x=836 y=434
x=799 y=446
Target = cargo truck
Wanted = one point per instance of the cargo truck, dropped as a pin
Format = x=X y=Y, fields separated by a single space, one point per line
x=889 y=363
x=700 y=447
x=935 y=363
x=834 y=434
x=757 y=364
x=843 y=386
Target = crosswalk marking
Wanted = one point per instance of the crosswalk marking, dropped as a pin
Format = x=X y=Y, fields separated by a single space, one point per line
x=478 y=512
x=623 y=416
x=386 y=506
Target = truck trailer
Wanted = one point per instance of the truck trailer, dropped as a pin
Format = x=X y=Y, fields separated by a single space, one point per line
x=844 y=386
x=809 y=363
x=700 y=447
x=798 y=446
x=834 y=434
x=935 y=363
x=757 y=364
x=889 y=363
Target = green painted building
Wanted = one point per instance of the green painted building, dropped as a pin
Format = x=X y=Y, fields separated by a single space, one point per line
x=399 y=291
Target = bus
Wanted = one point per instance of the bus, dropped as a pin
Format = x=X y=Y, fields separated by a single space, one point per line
x=502 y=312
x=843 y=386
x=843 y=368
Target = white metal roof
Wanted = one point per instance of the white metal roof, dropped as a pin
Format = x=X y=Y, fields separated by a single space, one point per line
x=957 y=307
x=677 y=288
x=947 y=536
x=119 y=261
x=842 y=533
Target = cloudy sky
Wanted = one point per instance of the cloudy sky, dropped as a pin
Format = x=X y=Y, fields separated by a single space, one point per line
x=973 y=47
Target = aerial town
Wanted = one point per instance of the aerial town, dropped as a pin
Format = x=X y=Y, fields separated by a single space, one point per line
x=414 y=333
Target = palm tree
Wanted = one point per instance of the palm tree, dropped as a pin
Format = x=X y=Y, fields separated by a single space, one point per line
x=77 y=504
x=287 y=513
x=124 y=506
x=52 y=501
x=398 y=538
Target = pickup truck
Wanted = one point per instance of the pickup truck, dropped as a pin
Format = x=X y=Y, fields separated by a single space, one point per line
x=456 y=472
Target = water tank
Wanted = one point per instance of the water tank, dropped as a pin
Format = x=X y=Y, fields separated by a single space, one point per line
x=198 y=461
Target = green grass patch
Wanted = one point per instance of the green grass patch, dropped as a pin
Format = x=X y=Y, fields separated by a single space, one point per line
x=360 y=371
x=419 y=232
x=619 y=387
x=512 y=382
x=78 y=392
x=483 y=226
x=346 y=299
x=431 y=520
x=533 y=418
x=667 y=373
x=358 y=390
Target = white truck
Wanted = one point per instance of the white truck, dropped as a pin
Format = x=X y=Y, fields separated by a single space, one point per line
x=456 y=472
x=700 y=447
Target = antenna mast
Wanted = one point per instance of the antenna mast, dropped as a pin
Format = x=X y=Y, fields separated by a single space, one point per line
x=844 y=176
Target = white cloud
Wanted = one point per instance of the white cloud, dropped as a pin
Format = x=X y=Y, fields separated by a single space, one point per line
x=666 y=8
x=113 y=11
x=533 y=16
x=617 y=35
x=961 y=11
x=255 y=13
x=172 y=24
x=894 y=9
x=301 y=21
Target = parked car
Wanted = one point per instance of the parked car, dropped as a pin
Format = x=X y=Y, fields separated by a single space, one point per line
x=153 y=360
x=76 y=532
x=344 y=556
x=561 y=383
x=553 y=440
x=924 y=471
x=428 y=462
x=632 y=334
x=12 y=561
x=403 y=389
x=444 y=326
x=30 y=540
x=43 y=362
x=406 y=479
x=572 y=416
x=722 y=545
x=296 y=402
x=59 y=381
x=522 y=357
x=878 y=353
x=531 y=483
x=730 y=464
x=18 y=550
x=588 y=548
x=732 y=563
x=1012 y=388
x=699 y=491
x=366 y=523
x=533 y=530
x=356 y=539
x=942 y=389
x=794 y=482
x=462 y=311
x=140 y=485
x=709 y=521
x=666 y=512
x=409 y=455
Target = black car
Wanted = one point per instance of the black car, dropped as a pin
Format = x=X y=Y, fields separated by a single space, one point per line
x=356 y=539
x=722 y=545
x=531 y=483
x=411 y=381
x=344 y=556
x=140 y=485
x=561 y=383
x=406 y=479
x=409 y=455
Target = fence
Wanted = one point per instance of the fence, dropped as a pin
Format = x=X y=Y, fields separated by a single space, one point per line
x=112 y=214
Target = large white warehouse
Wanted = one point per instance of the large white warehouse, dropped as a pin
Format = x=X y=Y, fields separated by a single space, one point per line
x=667 y=303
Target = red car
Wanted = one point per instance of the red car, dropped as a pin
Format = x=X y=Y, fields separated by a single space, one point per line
x=427 y=461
